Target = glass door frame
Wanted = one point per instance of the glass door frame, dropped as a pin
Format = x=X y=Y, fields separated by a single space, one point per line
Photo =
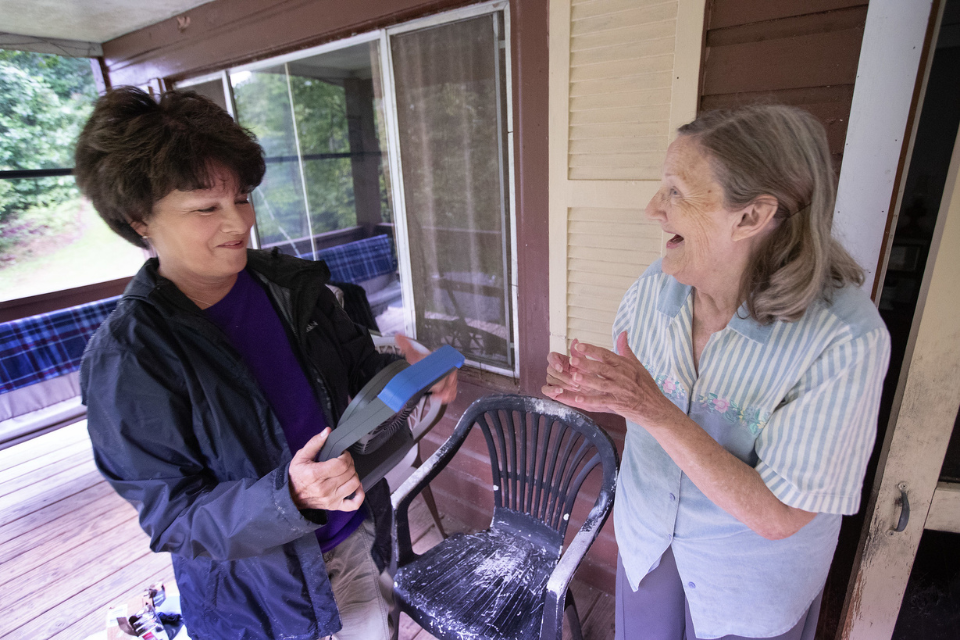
x=396 y=171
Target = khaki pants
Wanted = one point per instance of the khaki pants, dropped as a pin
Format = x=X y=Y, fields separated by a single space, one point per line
x=364 y=606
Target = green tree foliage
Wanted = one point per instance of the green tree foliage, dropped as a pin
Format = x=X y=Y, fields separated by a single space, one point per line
x=318 y=120
x=44 y=101
x=263 y=106
x=321 y=113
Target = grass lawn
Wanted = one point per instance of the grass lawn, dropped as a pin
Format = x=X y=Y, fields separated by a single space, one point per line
x=95 y=255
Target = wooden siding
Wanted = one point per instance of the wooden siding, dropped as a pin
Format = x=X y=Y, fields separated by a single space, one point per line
x=801 y=53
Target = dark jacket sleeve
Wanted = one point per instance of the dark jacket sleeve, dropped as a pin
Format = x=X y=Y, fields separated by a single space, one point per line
x=354 y=345
x=140 y=421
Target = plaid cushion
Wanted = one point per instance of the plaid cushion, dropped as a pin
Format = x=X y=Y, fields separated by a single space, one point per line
x=361 y=260
x=48 y=345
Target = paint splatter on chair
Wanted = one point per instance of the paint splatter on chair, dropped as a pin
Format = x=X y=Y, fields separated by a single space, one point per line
x=511 y=580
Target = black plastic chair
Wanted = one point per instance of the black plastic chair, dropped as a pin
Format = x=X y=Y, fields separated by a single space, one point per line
x=511 y=580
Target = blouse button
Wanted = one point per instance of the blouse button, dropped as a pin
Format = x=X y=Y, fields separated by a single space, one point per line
x=672 y=497
x=691 y=585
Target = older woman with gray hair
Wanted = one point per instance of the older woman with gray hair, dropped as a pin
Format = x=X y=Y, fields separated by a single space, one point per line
x=748 y=365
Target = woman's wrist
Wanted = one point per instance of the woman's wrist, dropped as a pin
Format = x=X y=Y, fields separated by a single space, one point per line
x=664 y=416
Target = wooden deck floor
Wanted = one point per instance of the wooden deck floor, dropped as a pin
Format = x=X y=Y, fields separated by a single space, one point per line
x=70 y=547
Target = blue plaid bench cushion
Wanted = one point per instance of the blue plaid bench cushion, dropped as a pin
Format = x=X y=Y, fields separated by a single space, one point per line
x=360 y=260
x=48 y=345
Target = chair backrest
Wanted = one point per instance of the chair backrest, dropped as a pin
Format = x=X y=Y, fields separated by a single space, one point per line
x=540 y=454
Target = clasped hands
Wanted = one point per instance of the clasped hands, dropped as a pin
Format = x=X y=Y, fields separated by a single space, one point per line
x=596 y=379
x=334 y=484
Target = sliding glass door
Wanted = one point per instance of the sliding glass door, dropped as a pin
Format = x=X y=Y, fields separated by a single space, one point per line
x=451 y=116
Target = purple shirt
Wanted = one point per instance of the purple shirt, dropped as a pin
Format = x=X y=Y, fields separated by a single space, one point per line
x=253 y=327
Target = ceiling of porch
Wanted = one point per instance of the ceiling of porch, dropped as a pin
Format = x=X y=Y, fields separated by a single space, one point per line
x=95 y=21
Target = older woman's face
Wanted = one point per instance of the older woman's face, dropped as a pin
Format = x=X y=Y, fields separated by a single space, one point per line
x=689 y=208
x=201 y=236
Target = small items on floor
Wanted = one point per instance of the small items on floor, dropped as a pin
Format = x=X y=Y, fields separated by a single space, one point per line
x=157 y=617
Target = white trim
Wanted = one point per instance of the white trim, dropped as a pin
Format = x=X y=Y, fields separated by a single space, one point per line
x=228 y=94
x=492 y=368
x=687 y=53
x=511 y=177
x=303 y=177
x=454 y=15
x=56 y=46
x=195 y=80
x=911 y=138
x=402 y=236
x=893 y=40
x=558 y=127
x=306 y=53
x=506 y=212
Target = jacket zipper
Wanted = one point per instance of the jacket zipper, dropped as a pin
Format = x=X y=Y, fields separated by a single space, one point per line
x=319 y=382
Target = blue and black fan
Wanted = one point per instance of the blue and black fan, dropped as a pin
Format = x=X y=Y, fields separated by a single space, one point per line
x=373 y=425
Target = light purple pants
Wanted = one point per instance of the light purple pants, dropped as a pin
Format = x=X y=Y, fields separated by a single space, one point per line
x=658 y=609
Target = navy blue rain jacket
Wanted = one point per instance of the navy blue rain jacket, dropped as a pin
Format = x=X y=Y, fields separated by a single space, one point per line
x=181 y=429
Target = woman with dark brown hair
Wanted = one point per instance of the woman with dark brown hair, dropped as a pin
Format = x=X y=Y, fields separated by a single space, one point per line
x=748 y=367
x=212 y=387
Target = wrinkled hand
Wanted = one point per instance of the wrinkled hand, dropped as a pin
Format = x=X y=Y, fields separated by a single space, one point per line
x=597 y=379
x=331 y=485
x=446 y=390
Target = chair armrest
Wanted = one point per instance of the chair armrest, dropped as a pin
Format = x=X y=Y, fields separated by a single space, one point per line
x=562 y=574
x=402 y=552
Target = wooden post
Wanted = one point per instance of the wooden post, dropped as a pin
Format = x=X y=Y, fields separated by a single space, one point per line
x=924 y=412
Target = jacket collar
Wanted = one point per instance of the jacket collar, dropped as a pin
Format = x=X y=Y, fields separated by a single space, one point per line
x=283 y=270
x=148 y=285
x=287 y=271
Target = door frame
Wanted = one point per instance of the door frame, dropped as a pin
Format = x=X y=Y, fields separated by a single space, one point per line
x=907 y=496
x=888 y=92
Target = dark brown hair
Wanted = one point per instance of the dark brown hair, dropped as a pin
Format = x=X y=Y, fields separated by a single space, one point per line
x=134 y=150
x=780 y=151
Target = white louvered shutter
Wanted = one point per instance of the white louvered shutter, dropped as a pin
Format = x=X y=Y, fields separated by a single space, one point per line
x=623 y=76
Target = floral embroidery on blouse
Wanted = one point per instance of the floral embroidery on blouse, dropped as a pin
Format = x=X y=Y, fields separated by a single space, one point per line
x=751 y=417
x=672 y=388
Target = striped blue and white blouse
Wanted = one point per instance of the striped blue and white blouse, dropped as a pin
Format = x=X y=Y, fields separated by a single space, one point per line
x=797 y=401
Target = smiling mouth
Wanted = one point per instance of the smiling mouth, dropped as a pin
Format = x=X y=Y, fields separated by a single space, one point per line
x=233 y=245
x=674 y=241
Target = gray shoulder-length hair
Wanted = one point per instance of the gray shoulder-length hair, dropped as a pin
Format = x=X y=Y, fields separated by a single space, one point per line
x=780 y=151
